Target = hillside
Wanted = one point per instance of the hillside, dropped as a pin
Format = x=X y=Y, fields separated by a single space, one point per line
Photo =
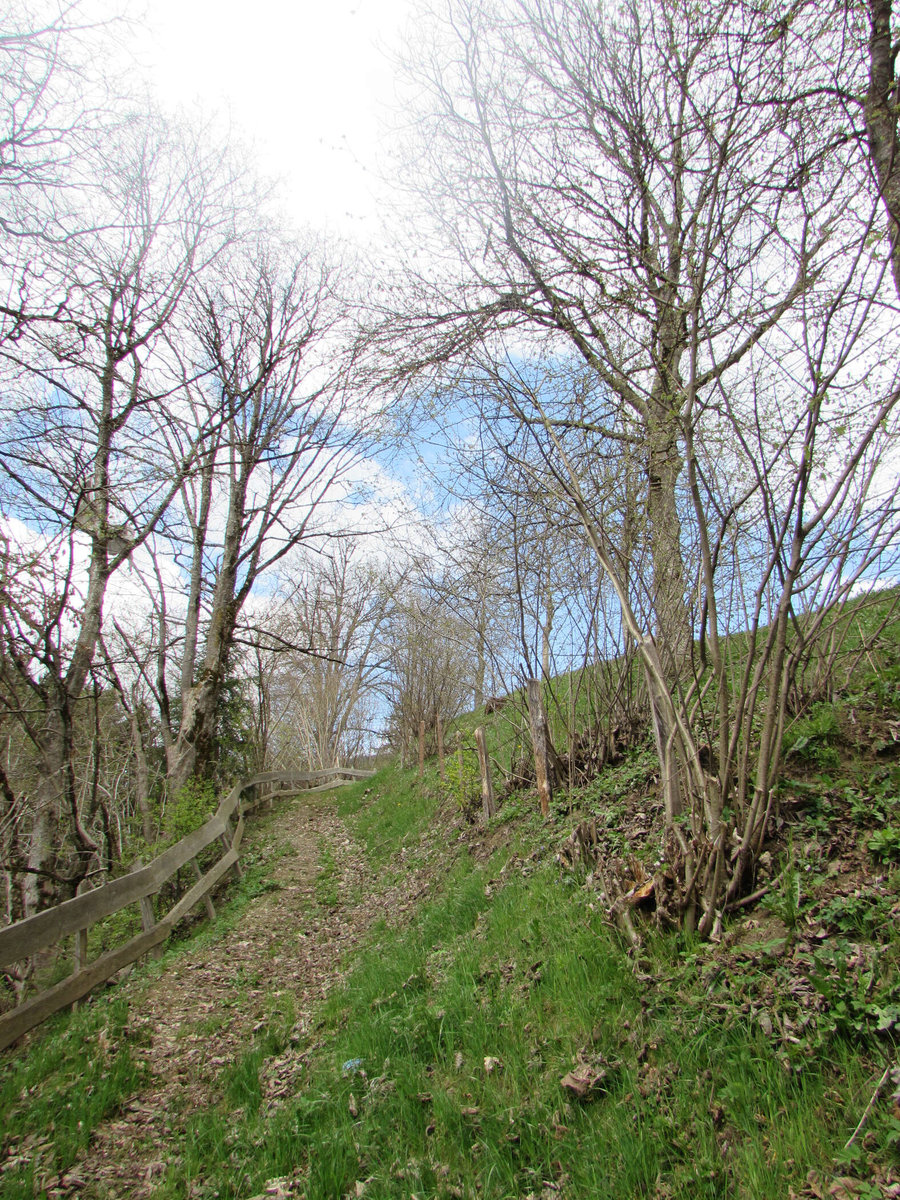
x=399 y=1002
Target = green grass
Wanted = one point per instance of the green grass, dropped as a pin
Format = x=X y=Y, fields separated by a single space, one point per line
x=78 y=1073
x=698 y=1100
x=392 y=809
x=326 y=885
x=435 y=1070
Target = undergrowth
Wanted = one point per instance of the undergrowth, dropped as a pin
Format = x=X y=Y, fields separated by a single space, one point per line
x=436 y=1070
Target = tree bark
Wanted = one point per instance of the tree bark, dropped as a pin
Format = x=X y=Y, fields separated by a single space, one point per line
x=487 y=787
x=538 y=723
x=881 y=122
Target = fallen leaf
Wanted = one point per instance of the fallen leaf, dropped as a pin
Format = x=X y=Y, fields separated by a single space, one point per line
x=583 y=1080
x=638 y=895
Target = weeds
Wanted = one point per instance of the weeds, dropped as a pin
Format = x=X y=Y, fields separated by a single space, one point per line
x=812 y=738
x=327 y=880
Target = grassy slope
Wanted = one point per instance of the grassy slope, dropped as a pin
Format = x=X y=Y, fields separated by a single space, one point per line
x=727 y=1072
x=435 y=1069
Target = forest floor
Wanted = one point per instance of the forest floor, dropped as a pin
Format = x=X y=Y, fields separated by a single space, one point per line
x=290 y=942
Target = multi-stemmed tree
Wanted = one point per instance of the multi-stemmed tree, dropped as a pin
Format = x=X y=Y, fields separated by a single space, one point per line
x=88 y=393
x=666 y=198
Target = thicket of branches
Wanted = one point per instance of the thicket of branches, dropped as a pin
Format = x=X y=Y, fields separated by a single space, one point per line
x=666 y=294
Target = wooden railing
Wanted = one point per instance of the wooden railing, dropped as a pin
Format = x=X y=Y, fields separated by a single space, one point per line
x=26 y=938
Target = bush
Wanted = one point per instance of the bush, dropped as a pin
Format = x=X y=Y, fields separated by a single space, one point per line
x=194 y=804
x=463 y=784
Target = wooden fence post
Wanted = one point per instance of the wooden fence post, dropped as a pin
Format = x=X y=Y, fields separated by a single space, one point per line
x=487 y=787
x=81 y=950
x=81 y=940
x=537 y=719
x=421 y=748
x=440 y=742
x=148 y=920
x=227 y=839
x=460 y=760
x=207 y=899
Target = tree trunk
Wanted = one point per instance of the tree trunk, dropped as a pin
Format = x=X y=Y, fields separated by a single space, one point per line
x=538 y=723
x=190 y=753
x=881 y=123
x=193 y=748
x=142 y=776
x=484 y=764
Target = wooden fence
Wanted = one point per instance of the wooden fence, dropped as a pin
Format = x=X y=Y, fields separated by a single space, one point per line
x=26 y=938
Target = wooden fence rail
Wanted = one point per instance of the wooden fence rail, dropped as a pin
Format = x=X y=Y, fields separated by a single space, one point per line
x=25 y=938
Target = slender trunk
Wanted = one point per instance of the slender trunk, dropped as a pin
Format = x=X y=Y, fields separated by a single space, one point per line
x=539 y=739
x=547 y=632
x=664 y=466
x=192 y=750
x=484 y=764
x=142 y=777
x=192 y=616
x=881 y=122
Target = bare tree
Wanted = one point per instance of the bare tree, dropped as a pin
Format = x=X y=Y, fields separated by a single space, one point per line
x=430 y=675
x=463 y=570
x=87 y=413
x=615 y=181
x=327 y=658
x=635 y=186
x=267 y=332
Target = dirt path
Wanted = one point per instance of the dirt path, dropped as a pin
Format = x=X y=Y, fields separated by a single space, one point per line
x=286 y=943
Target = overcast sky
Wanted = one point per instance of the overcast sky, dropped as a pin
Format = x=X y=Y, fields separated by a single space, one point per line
x=306 y=81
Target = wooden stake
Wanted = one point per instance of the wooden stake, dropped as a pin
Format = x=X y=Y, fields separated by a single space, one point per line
x=81 y=941
x=487 y=787
x=148 y=922
x=439 y=725
x=537 y=720
x=207 y=899
x=421 y=748
x=81 y=949
x=461 y=762
x=226 y=840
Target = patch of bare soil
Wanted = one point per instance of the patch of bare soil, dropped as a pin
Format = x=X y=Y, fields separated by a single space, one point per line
x=203 y=1012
